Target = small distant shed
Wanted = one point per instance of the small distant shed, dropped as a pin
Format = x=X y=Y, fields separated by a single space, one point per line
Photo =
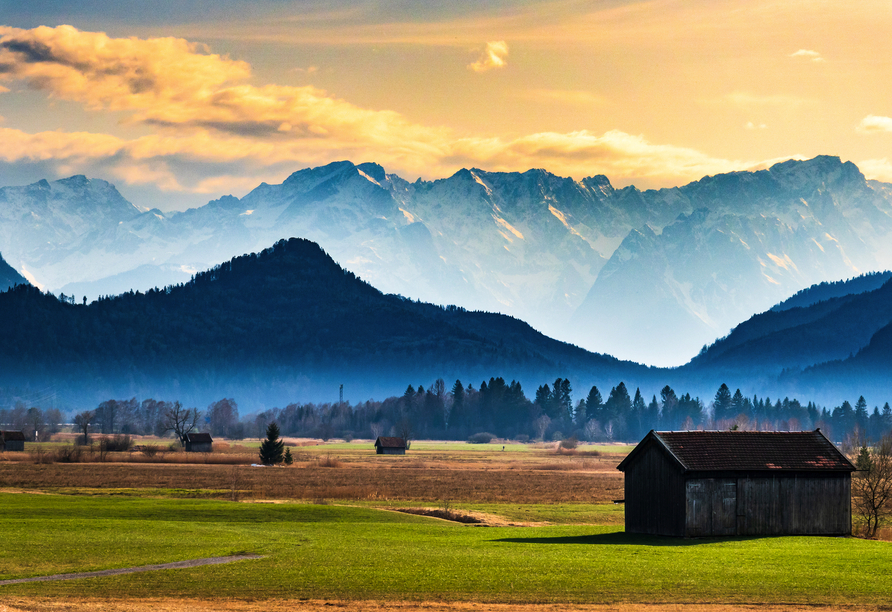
x=12 y=441
x=390 y=446
x=744 y=483
x=199 y=443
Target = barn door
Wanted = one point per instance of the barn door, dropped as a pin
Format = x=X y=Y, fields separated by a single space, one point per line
x=725 y=520
x=711 y=507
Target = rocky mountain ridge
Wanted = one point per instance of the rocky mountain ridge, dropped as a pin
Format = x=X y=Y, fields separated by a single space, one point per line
x=650 y=276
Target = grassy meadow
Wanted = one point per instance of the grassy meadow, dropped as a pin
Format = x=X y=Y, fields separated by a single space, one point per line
x=342 y=552
x=329 y=530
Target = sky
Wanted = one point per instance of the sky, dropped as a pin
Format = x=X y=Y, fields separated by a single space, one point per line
x=178 y=103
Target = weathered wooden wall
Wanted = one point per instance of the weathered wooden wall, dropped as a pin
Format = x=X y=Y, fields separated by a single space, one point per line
x=769 y=504
x=654 y=491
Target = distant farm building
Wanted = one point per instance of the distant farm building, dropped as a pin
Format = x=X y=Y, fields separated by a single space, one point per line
x=737 y=483
x=12 y=441
x=390 y=446
x=199 y=443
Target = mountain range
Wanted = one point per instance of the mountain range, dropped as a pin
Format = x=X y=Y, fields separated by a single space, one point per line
x=646 y=275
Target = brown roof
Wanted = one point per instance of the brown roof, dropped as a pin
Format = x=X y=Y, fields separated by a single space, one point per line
x=748 y=451
x=390 y=442
x=199 y=438
x=13 y=436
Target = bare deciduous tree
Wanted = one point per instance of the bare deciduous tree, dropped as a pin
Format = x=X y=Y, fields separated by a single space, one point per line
x=181 y=420
x=541 y=425
x=872 y=484
x=82 y=421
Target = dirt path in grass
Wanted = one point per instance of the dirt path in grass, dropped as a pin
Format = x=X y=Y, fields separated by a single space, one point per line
x=218 y=605
x=132 y=570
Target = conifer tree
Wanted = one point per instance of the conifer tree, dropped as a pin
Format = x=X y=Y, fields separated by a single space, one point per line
x=272 y=449
x=288 y=459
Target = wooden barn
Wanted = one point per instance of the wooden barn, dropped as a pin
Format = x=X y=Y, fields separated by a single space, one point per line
x=744 y=483
x=12 y=441
x=390 y=446
x=199 y=443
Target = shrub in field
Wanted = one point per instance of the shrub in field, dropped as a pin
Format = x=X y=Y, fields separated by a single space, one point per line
x=150 y=450
x=569 y=443
x=38 y=455
x=70 y=453
x=481 y=438
x=119 y=443
x=328 y=461
x=288 y=459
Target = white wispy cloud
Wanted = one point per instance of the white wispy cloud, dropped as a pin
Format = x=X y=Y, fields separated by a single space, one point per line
x=873 y=124
x=808 y=54
x=494 y=56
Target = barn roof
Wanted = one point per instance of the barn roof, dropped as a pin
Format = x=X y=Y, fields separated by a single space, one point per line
x=385 y=442
x=199 y=438
x=13 y=436
x=711 y=451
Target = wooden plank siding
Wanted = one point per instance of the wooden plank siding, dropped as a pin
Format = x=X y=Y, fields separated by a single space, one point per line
x=655 y=495
x=795 y=504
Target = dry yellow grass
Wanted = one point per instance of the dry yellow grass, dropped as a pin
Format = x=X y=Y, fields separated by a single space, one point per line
x=465 y=474
x=309 y=481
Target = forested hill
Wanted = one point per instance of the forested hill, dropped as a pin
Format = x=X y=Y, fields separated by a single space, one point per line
x=9 y=277
x=797 y=338
x=830 y=350
x=270 y=327
x=827 y=291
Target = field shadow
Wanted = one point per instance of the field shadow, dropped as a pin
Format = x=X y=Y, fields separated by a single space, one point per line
x=621 y=538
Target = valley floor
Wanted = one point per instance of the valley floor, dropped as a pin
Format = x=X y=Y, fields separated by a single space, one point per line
x=330 y=536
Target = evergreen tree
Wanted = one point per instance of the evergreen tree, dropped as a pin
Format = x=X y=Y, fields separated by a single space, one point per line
x=669 y=408
x=653 y=414
x=861 y=415
x=722 y=403
x=272 y=449
x=639 y=410
x=288 y=459
x=737 y=404
x=618 y=408
x=594 y=404
x=562 y=402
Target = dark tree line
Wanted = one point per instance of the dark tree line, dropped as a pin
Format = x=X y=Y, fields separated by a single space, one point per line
x=500 y=408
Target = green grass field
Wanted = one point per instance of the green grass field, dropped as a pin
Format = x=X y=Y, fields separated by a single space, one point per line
x=326 y=551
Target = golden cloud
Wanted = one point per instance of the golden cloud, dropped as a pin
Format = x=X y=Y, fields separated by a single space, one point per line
x=494 y=56
x=201 y=108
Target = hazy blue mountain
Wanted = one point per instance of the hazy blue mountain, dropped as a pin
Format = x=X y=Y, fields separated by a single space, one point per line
x=650 y=275
x=9 y=277
x=828 y=350
x=286 y=324
x=749 y=240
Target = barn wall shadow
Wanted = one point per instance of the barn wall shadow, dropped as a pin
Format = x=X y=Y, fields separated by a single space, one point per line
x=621 y=538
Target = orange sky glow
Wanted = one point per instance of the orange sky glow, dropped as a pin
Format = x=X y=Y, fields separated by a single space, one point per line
x=190 y=105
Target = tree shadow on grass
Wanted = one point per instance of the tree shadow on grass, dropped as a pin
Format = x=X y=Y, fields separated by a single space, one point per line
x=620 y=538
